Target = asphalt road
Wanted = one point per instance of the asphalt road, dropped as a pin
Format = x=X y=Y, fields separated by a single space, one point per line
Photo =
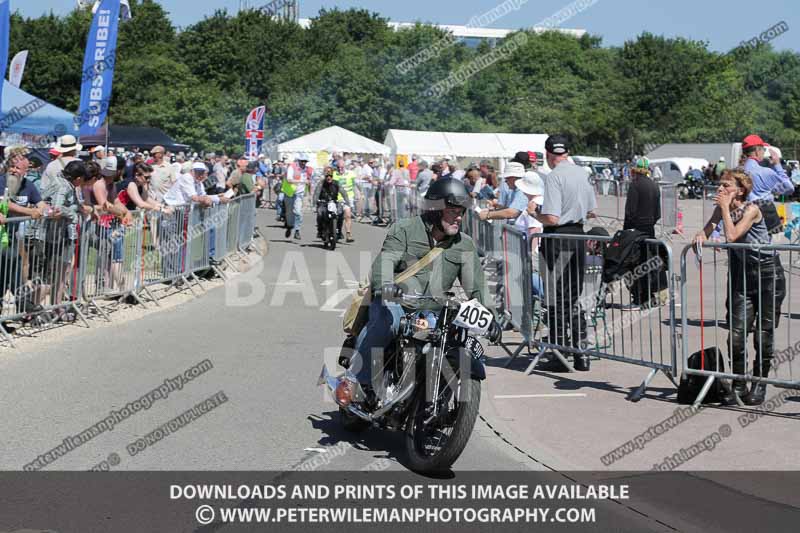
x=266 y=333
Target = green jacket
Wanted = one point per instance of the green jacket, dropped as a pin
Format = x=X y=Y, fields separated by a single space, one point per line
x=407 y=242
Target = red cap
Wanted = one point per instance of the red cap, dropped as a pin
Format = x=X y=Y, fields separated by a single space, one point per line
x=532 y=156
x=54 y=152
x=752 y=140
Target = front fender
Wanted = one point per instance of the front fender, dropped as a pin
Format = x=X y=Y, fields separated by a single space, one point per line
x=457 y=356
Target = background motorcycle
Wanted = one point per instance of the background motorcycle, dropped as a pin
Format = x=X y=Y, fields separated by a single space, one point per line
x=691 y=188
x=328 y=223
x=430 y=385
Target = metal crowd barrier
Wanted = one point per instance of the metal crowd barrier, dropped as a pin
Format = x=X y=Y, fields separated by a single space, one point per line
x=39 y=282
x=607 y=187
x=109 y=262
x=631 y=320
x=760 y=297
x=669 y=210
x=164 y=247
x=48 y=268
x=247 y=221
x=517 y=292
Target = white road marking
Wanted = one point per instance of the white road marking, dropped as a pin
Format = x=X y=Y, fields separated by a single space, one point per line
x=318 y=450
x=326 y=283
x=555 y=395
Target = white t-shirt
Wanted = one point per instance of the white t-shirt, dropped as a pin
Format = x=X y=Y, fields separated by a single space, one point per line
x=526 y=222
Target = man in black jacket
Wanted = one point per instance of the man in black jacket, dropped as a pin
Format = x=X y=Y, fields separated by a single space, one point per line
x=642 y=212
x=328 y=191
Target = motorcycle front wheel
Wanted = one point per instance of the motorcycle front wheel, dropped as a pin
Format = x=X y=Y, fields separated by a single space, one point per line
x=435 y=443
x=332 y=234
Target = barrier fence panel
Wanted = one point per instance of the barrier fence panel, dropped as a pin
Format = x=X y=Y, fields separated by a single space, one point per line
x=39 y=271
x=517 y=280
x=669 y=209
x=110 y=257
x=164 y=246
x=247 y=220
x=630 y=319
x=221 y=214
x=735 y=293
x=201 y=238
x=232 y=227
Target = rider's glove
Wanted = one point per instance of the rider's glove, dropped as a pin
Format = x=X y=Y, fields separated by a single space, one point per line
x=495 y=333
x=390 y=292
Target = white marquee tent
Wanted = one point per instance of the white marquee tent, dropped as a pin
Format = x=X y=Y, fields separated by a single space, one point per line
x=432 y=145
x=329 y=140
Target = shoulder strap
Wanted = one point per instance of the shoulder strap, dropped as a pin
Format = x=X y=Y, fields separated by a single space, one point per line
x=425 y=261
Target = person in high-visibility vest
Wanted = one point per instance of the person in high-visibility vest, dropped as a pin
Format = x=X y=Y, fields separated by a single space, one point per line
x=298 y=175
x=347 y=181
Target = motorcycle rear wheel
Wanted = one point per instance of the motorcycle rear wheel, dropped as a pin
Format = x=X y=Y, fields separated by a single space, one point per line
x=429 y=446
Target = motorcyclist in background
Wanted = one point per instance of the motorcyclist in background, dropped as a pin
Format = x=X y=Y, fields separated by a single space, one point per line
x=328 y=190
x=407 y=242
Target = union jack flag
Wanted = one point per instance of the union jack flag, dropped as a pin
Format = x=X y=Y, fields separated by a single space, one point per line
x=254 y=131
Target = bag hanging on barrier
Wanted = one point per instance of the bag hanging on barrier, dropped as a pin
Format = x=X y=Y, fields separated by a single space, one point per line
x=357 y=312
x=690 y=385
x=622 y=254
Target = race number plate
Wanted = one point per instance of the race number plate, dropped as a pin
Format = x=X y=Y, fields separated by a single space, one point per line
x=332 y=207
x=474 y=317
x=475 y=348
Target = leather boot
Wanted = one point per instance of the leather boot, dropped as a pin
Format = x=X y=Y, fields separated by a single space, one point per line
x=756 y=395
x=739 y=388
x=759 y=390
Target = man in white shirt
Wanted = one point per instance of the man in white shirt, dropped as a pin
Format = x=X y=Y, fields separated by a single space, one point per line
x=366 y=186
x=164 y=175
x=68 y=147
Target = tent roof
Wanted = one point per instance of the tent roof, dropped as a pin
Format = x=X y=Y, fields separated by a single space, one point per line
x=441 y=143
x=134 y=136
x=333 y=139
x=707 y=151
x=33 y=115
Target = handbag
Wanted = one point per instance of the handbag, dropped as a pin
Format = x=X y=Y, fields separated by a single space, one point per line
x=357 y=312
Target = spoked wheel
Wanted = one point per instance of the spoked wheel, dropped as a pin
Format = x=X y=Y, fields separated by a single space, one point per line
x=434 y=443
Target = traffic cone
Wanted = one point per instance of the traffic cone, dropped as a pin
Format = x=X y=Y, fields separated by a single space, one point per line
x=679 y=224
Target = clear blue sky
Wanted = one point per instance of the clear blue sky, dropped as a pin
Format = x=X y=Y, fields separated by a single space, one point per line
x=724 y=24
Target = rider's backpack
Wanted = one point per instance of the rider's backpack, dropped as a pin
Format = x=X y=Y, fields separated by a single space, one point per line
x=622 y=254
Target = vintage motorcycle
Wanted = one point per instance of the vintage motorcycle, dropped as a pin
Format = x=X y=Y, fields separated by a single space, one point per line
x=430 y=385
x=328 y=228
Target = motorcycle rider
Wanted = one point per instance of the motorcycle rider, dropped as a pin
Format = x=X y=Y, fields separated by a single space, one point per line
x=407 y=242
x=329 y=190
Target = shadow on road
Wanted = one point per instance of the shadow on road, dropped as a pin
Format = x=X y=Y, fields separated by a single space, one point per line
x=369 y=440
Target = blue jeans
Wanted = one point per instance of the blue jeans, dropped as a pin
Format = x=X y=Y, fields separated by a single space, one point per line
x=382 y=327
x=279 y=205
x=368 y=193
x=298 y=210
x=537 y=285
